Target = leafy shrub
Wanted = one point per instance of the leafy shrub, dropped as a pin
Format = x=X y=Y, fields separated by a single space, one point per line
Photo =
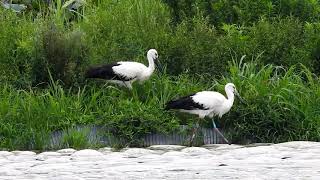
x=116 y=32
x=305 y=10
x=312 y=44
x=244 y=12
x=16 y=42
x=281 y=42
x=29 y=52
x=59 y=53
x=284 y=42
x=281 y=105
x=193 y=48
x=192 y=45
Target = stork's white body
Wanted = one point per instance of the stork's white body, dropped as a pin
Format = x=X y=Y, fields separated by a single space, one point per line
x=214 y=103
x=134 y=71
x=125 y=72
x=206 y=103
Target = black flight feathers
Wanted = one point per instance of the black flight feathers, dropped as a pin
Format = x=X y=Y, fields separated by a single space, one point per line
x=106 y=72
x=185 y=103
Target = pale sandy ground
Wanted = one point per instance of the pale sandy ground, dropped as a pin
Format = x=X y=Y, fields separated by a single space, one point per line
x=291 y=160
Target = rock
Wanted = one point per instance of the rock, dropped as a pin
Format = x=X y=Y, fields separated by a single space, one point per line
x=115 y=155
x=55 y=160
x=48 y=168
x=20 y=158
x=105 y=150
x=218 y=147
x=229 y=147
x=41 y=158
x=279 y=161
x=149 y=157
x=258 y=144
x=167 y=147
x=5 y=153
x=73 y=177
x=45 y=155
x=50 y=154
x=4 y=161
x=196 y=151
x=66 y=152
x=299 y=144
x=87 y=154
x=175 y=154
x=24 y=153
x=136 y=152
x=9 y=172
x=21 y=166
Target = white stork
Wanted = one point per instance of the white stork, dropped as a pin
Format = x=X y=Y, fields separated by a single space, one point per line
x=125 y=72
x=206 y=103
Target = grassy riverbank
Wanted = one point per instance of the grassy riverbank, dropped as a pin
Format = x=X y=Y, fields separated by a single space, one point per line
x=45 y=50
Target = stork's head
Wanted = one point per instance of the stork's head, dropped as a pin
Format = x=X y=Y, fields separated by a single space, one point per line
x=152 y=53
x=232 y=88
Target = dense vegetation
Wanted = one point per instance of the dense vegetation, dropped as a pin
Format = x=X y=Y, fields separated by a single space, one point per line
x=45 y=49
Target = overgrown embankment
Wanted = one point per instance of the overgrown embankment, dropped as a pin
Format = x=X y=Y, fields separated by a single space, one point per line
x=45 y=50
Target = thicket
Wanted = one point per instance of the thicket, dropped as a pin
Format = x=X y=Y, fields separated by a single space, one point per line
x=45 y=50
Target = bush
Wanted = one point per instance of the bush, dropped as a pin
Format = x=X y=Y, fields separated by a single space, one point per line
x=16 y=42
x=281 y=105
x=305 y=10
x=30 y=49
x=192 y=45
x=281 y=42
x=312 y=45
x=116 y=32
x=60 y=54
x=244 y=12
x=193 y=48
x=285 y=42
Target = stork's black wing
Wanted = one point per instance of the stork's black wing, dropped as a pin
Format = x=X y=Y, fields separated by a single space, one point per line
x=185 y=103
x=106 y=72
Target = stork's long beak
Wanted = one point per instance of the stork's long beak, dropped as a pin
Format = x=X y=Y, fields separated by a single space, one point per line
x=240 y=98
x=159 y=66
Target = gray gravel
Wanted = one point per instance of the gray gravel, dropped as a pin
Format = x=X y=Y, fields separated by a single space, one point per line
x=291 y=160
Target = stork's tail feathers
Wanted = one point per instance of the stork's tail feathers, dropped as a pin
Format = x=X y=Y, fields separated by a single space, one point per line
x=168 y=105
x=173 y=104
x=91 y=73
x=185 y=103
x=102 y=72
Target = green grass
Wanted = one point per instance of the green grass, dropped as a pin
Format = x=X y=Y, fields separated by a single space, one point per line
x=278 y=78
x=281 y=105
x=27 y=115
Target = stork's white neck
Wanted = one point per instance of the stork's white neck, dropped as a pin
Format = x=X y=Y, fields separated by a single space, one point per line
x=230 y=96
x=151 y=66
